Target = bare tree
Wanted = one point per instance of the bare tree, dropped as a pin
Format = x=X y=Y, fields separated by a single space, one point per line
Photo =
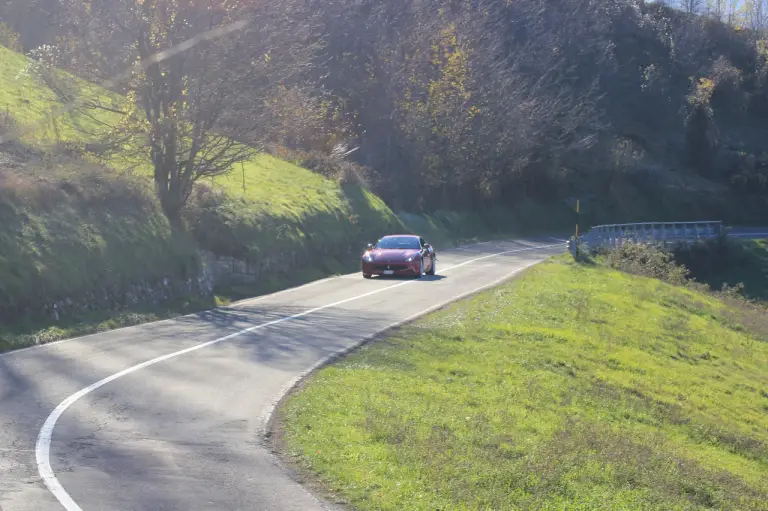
x=693 y=6
x=756 y=14
x=734 y=12
x=201 y=74
x=458 y=100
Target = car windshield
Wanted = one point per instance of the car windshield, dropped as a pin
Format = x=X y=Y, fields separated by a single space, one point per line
x=399 y=242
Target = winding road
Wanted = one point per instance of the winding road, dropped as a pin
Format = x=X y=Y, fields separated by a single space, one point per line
x=172 y=415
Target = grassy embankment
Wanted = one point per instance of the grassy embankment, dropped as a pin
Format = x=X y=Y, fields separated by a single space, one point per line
x=573 y=387
x=69 y=226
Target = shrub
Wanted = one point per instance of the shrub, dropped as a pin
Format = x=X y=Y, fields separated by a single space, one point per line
x=647 y=260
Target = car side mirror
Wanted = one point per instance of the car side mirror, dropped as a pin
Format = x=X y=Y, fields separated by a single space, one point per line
x=369 y=246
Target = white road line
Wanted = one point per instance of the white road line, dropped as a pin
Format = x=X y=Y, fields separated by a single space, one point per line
x=43 y=445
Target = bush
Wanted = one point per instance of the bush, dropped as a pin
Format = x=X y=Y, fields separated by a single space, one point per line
x=647 y=260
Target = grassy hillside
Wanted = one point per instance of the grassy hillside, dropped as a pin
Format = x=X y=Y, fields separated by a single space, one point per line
x=29 y=103
x=270 y=186
x=71 y=235
x=574 y=387
x=71 y=227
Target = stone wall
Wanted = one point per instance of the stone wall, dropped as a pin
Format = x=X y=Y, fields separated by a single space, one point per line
x=121 y=297
x=214 y=270
x=229 y=270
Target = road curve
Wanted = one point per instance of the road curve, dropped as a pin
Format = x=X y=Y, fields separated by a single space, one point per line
x=170 y=415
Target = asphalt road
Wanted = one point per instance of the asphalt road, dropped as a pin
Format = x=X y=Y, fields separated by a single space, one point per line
x=749 y=232
x=171 y=415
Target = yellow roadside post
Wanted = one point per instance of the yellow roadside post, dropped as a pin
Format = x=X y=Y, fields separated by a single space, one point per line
x=573 y=243
x=577 y=219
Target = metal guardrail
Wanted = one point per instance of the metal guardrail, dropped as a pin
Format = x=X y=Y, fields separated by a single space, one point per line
x=652 y=232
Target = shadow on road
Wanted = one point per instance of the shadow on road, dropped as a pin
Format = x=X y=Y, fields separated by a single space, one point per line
x=397 y=278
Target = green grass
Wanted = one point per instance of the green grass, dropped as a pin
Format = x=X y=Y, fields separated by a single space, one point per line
x=29 y=102
x=285 y=207
x=572 y=388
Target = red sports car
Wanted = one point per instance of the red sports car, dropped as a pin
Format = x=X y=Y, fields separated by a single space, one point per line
x=401 y=254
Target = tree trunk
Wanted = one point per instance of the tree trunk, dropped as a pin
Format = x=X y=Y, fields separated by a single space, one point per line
x=172 y=211
x=170 y=200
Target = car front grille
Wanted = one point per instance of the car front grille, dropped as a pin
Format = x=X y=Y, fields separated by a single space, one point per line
x=395 y=267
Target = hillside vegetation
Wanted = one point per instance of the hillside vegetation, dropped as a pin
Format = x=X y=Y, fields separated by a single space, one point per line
x=488 y=117
x=79 y=234
x=573 y=387
x=72 y=228
x=645 y=111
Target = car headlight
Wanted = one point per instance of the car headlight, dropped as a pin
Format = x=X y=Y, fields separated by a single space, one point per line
x=367 y=257
x=412 y=258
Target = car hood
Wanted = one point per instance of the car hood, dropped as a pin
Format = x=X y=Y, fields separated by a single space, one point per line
x=392 y=255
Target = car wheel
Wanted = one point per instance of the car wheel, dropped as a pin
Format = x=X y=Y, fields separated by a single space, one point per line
x=366 y=275
x=432 y=267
